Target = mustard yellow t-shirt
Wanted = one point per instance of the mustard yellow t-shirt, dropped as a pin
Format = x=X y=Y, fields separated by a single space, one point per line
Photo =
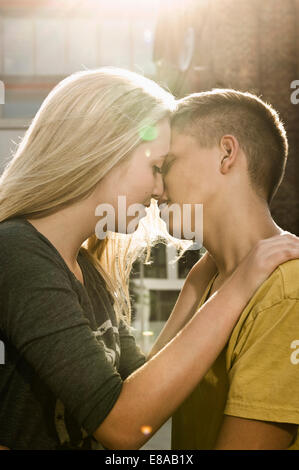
x=256 y=376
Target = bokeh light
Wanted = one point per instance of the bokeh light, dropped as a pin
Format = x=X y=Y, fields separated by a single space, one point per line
x=148 y=133
x=148 y=333
x=146 y=430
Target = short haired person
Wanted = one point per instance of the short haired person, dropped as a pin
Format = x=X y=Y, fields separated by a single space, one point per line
x=73 y=376
x=228 y=152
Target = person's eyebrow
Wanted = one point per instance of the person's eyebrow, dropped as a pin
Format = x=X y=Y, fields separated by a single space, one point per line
x=169 y=157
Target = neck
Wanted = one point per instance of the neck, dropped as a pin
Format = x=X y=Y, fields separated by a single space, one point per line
x=230 y=236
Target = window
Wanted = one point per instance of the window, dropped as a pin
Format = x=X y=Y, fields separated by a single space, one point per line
x=186 y=262
x=157 y=269
x=161 y=304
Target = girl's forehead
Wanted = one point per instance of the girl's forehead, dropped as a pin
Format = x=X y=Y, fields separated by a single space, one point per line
x=158 y=147
x=153 y=150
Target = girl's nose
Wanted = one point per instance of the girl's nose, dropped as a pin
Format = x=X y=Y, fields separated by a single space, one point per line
x=159 y=187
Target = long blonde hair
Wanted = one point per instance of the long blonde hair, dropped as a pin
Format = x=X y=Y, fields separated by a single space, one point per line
x=89 y=122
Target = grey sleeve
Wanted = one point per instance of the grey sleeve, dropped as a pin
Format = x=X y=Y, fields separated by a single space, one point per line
x=44 y=320
x=131 y=357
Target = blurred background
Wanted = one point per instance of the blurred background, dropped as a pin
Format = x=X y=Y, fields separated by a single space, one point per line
x=186 y=46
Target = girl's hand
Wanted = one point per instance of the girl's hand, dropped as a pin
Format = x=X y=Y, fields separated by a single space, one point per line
x=262 y=260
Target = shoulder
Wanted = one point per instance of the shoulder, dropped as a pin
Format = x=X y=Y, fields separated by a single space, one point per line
x=272 y=314
x=289 y=278
x=12 y=228
x=16 y=239
x=24 y=251
x=17 y=233
x=276 y=300
x=281 y=285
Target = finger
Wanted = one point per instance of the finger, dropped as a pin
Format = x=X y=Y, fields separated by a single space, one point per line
x=279 y=242
x=281 y=238
x=279 y=255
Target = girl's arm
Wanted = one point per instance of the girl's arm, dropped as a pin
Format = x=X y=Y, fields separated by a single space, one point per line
x=187 y=302
x=152 y=393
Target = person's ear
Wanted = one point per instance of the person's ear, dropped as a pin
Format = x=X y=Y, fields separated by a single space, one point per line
x=229 y=147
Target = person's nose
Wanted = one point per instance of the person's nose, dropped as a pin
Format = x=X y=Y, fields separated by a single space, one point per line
x=160 y=192
x=159 y=187
x=163 y=196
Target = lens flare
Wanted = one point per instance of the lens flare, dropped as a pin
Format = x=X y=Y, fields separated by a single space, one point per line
x=148 y=133
x=147 y=333
x=146 y=430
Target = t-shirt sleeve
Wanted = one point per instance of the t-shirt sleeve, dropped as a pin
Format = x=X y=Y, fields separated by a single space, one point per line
x=131 y=357
x=42 y=317
x=264 y=373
